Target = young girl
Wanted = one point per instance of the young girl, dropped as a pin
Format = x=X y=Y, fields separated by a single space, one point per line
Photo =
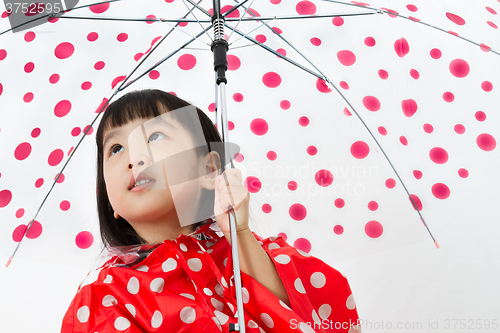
x=165 y=275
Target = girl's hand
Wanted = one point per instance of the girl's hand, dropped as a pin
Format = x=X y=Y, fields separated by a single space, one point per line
x=235 y=194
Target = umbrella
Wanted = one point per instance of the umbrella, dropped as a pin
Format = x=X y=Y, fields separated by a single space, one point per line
x=383 y=74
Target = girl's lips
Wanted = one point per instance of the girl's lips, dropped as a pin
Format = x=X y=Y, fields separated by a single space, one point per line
x=142 y=187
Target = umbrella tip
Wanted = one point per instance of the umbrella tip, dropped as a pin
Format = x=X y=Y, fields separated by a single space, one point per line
x=437 y=245
x=8 y=261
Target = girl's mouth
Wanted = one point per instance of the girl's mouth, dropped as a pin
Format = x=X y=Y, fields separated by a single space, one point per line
x=143 y=184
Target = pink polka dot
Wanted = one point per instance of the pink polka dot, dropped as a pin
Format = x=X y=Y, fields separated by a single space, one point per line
x=259 y=126
x=346 y=57
x=428 y=128
x=339 y=203
x=275 y=2
x=117 y=80
x=390 y=183
x=485 y=48
x=303 y=121
x=338 y=21
x=391 y=12
x=84 y=240
x=412 y=8
x=435 y=53
x=3 y=54
x=323 y=178
x=302 y=244
x=491 y=24
x=459 y=68
x=347 y=112
x=20 y=213
x=409 y=107
x=5 y=198
x=39 y=183
x=99 y=9
x=252 y=184
x=260 y=38
x=417 y=174
x=150 y=19
x=285 y=105
x=416 y=201
x=414 y=74
x=238 y=97
x=99 y=65
x=55 y=157
x=305 y=8
x=401 y=47
x=64 y=205
x=64 y=50
x=480 y=116
x=344 y=85
x=459 y=129
x=29 y=67
x=138 y=56
x=297 y=212
x=87 y=128
x=62 y=108
x=18 y=233
x=233 y=62
x=271 y=79
x=373 y=229
x=440 y=191
x=60 y=178
x=282 y=52
x=92 y=37
x=369 y=41
x=383 y=74
x=486 y=142
x=373 y=206
x=455 y=19
x=371 y=103
x=271 y=155
x=322 y=86
x=403 y=140
x=238 y=157
x=76 y=131
x=28 y=97
x=235 y=13
x=487 y=86
x=359 y=149
x=292 y=185
x=54 y=78
x=35 y=230
x=315 y=41
x=122 y=37
x=22 y=151
x=338 y=229
x=277 y=30
x=438 y=155
x=53 y=19
x=35 y=132
x=86 y=85
x=267 y=208
x=491 y=10
x=186 y=62
x=448 y=97
x=29 y=36
x=463 y=173
x=312 y=150
x=283 y=235
x=382 y=130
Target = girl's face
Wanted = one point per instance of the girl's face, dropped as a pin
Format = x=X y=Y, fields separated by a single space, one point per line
x=160 y=150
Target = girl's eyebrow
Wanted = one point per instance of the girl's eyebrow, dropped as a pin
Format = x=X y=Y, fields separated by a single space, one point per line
x=111 y=135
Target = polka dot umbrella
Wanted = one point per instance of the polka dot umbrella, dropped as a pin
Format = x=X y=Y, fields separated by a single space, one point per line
x=359 y=124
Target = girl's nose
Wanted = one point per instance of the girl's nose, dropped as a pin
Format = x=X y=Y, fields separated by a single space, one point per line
x=140 y=163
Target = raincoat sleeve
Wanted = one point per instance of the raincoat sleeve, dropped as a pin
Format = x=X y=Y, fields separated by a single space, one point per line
x=320 y=297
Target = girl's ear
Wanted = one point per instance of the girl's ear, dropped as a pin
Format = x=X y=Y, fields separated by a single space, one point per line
x=212 y=169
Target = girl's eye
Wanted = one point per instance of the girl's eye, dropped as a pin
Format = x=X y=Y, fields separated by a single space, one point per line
x=156 y=135
x=113 y=149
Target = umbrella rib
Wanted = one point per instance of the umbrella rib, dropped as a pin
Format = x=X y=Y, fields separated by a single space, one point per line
x=385 y=11
x=240 y=18
x=184 y=2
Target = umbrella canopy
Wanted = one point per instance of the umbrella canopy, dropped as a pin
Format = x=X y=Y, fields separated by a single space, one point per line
x=314 y=170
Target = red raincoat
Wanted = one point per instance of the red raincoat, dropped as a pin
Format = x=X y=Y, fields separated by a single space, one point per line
x=186 y=285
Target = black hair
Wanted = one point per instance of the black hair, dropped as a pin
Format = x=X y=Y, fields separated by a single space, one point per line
x=146 y=104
